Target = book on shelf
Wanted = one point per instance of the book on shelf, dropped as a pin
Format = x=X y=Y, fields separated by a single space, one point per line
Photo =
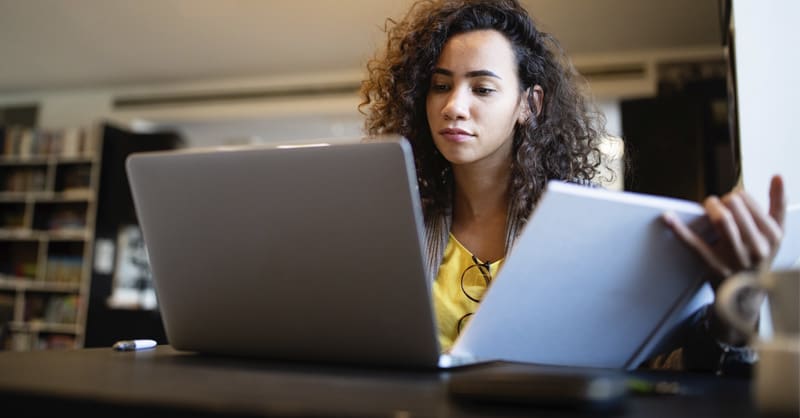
x=45 y=309
x=63 y=269
x=25 y=142
x=61 y=309
x=77 y=193
x=66 y=219
x=75 y=180
x=25 y=269
x=24 y=179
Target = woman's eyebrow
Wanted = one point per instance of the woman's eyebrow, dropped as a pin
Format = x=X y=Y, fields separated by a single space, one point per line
x=469 y=74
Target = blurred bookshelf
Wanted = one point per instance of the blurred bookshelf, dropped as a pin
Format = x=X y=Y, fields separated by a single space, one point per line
x=48 y=197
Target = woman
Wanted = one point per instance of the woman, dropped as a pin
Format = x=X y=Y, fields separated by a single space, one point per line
x=493 y=110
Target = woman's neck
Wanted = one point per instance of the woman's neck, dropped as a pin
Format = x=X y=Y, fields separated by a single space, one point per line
x=480 y=209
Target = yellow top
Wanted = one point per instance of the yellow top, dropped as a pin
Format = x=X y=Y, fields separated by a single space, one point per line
x=451 y=302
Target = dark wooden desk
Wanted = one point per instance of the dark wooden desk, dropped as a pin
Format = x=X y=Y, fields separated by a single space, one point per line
x=163 y=382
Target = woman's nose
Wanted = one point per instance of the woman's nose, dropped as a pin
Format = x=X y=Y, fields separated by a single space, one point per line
x=456 y=105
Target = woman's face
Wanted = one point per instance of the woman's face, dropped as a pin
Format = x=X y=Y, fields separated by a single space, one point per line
x=474 y=100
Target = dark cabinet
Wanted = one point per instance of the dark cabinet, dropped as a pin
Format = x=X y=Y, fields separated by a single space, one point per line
x=108 y=321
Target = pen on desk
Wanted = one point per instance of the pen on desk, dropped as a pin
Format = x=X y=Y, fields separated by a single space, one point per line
x=134 y=345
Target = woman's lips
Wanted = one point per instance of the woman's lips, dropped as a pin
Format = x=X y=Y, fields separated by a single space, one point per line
x=455 y=135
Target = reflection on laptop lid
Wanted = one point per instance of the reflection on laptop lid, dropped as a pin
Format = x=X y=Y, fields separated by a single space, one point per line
x=300 y=253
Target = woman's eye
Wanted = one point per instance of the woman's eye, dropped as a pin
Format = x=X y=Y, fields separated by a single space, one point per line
x=482 y=91
x=439 y=87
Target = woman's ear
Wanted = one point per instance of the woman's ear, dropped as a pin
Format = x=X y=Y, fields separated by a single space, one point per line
x=538 y=98
x=532 y=103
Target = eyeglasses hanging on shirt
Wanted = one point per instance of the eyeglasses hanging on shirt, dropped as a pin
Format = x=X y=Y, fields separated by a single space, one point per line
x=474 y=281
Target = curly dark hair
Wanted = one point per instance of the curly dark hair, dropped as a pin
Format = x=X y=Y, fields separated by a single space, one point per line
x=560 y=143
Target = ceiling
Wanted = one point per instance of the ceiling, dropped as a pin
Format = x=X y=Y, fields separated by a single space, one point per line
x=46 y=45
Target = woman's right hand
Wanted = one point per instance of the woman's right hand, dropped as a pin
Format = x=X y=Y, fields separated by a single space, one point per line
x=748 y=237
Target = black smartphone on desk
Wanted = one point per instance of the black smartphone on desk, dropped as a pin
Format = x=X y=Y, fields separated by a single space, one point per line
x=549 y=386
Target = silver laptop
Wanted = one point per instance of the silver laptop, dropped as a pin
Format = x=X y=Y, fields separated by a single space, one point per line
x=309 y=253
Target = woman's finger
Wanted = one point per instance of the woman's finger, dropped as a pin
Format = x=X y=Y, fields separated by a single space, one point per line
x=757 y=247
x=724 y=222
x=777 y=200
x=767 y=224
x=718 y=267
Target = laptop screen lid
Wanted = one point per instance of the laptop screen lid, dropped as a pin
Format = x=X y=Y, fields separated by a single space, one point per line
x=301 y=253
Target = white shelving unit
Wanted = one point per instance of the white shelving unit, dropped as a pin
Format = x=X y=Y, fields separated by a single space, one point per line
x=48 y=198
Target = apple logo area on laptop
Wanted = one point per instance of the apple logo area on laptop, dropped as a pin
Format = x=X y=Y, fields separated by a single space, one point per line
x=310 y=253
